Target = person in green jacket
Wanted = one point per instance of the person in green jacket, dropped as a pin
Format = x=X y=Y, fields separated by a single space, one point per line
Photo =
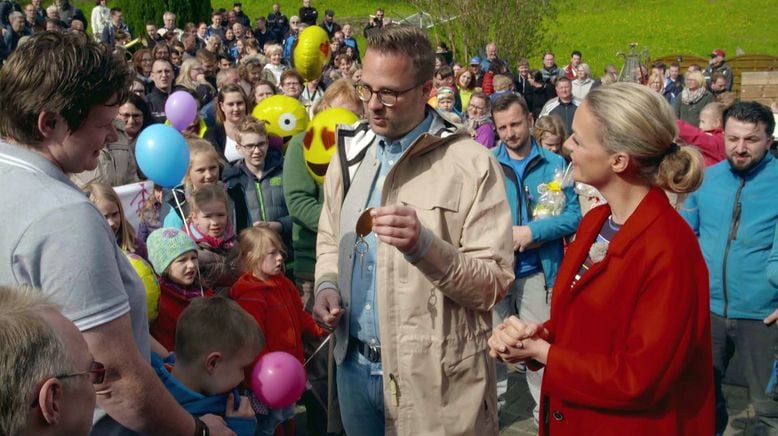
x=304 y=198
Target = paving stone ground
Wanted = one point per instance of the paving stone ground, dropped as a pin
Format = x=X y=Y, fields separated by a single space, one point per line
x=516 y=418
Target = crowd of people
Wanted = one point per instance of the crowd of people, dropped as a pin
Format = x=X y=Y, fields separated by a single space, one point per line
x=616 y=241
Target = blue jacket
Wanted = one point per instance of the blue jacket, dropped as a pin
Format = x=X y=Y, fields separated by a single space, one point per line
x=735 y=218
x=548 y=231
x=198 y=404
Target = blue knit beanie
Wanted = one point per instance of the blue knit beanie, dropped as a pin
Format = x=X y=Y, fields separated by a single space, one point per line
x=165 y=245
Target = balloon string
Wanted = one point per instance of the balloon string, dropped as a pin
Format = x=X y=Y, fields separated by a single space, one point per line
x=323 y=343
x=188 y=232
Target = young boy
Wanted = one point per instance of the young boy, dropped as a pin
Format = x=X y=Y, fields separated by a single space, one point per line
x=216 y=340
x=446 y=105
x=709 y=136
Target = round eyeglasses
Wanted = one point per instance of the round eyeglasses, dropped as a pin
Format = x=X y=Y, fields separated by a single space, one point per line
x=387 y=97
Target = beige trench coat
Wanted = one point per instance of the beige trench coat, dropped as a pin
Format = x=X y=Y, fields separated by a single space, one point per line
x=434 y=315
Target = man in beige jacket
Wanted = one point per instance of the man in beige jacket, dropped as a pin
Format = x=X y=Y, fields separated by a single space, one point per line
x=410 y=301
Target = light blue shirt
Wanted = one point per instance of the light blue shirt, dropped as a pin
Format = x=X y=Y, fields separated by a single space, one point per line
x=363 y=323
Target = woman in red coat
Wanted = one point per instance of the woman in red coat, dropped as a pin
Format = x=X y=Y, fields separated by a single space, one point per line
x=627 y=349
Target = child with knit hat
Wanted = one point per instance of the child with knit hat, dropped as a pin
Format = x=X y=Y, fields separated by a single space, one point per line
x=446 y=99
x=173 y=254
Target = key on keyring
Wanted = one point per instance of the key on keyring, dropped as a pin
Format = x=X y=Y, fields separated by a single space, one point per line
x=364 y=227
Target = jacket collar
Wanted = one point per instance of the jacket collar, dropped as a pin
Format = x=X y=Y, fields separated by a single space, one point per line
x=753 y=172
x=536 y=152
x=439 y=130
x=650 y=208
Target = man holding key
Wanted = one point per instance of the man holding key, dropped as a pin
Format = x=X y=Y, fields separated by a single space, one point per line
x=414 y=249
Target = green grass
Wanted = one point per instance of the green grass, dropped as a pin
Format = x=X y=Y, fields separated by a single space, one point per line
x=599 y=28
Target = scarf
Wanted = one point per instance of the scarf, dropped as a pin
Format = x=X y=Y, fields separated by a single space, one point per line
x=226 y=242
x=193 y=291
x=691 y=97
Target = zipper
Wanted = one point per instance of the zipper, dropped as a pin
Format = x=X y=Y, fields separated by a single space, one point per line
x=736 y=209
x=263 y=215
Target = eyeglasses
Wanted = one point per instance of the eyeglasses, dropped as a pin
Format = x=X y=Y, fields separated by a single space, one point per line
x=476 y=108
x=296 y=84
x=96 y=375
x=252 y=147
x=387 y=97
x=128 y=115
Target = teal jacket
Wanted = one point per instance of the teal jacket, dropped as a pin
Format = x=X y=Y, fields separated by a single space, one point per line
x=735 y=216
x=549 y=231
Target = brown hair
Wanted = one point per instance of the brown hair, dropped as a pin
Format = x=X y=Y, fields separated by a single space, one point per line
x=216 y=324
x=254 y=244
x=205 y=194
x=636 y=120
x=229 y=89
x=62 y=74
x=249 y=124
x=137 y=59
x=406 y=41
x=125 y=236
x=551 y=124
x=505 y=101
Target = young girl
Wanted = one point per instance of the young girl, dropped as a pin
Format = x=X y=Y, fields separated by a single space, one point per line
x=272 y=299
x=210 y=226
x=173 y=254
x=273 y=70
x=204 y=167
x=550 y=133
x=108 y=203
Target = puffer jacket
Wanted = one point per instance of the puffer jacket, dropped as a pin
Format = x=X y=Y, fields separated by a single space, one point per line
x=259 y=199
x=434 y=313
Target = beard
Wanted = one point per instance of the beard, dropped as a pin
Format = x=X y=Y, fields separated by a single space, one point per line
x=743 y=165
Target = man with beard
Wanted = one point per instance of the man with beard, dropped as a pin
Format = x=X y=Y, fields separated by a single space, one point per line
x=735 y=215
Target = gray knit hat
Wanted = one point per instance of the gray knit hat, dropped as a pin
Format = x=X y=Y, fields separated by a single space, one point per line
x=165 y=245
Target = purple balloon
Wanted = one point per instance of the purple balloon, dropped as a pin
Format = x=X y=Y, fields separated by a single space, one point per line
x=278 y=379
x=181 y=109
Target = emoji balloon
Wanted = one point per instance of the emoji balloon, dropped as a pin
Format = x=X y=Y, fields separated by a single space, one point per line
x=312 y=52
x=285 y=116
x=319 y=142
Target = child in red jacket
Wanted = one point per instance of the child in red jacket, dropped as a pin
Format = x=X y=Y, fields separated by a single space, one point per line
x=173 y=254
x=709 y=137
x=272 y=299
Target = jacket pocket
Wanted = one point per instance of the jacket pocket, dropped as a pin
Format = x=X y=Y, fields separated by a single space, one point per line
x=437 y=205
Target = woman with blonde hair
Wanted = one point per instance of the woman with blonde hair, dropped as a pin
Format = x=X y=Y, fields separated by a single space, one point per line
x=628 y=343
x=274 y=68
x=192 y=77
x=693 y=98
x=657 y=83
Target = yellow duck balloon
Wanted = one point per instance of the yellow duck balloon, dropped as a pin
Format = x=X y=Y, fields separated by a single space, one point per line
x=285 y=117
x=319 y=142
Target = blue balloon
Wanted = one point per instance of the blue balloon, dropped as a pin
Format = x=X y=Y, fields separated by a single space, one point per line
x=162 y=154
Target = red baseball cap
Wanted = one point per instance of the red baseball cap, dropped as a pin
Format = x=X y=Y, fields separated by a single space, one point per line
x=719 y=52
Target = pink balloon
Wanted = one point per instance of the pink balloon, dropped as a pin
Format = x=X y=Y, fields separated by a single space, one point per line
x=278 y=379
x=180 y=109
